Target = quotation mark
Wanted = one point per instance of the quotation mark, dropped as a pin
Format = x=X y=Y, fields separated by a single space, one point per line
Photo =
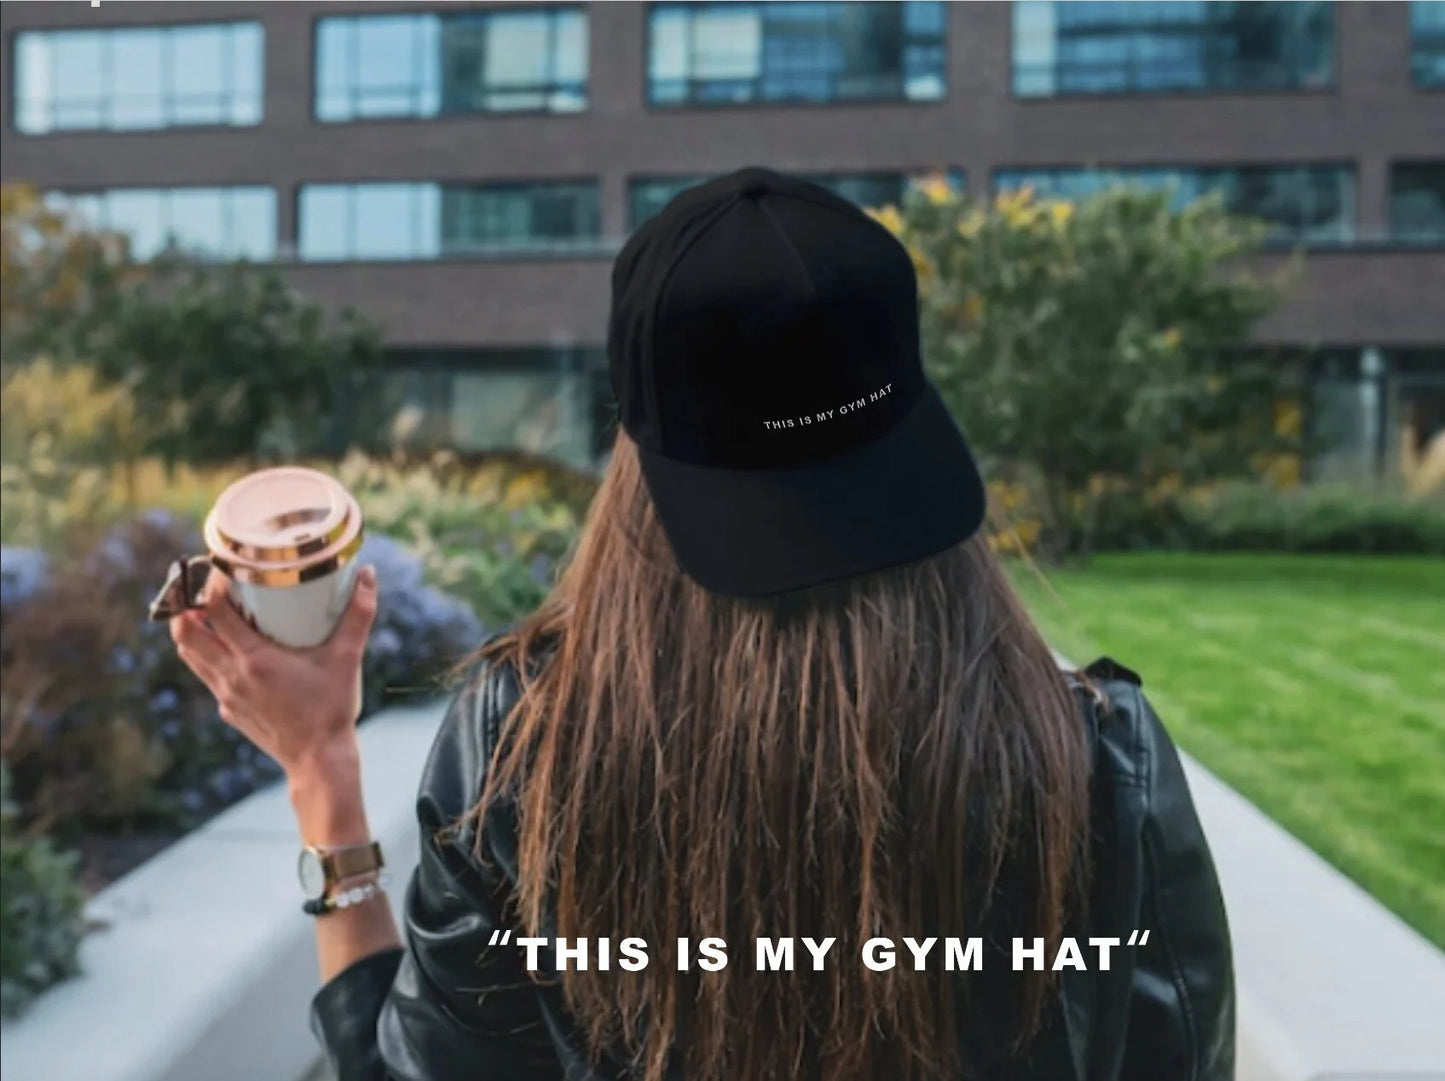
x=500 y=938
x=1139 y=938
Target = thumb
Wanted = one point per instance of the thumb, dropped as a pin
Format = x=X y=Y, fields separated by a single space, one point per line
x=355 y=625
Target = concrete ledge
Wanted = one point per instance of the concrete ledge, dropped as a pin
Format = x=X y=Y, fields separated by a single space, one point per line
x=1332 y=986
x=207 y=964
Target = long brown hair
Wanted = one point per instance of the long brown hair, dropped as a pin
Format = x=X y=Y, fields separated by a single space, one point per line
x=893 y=755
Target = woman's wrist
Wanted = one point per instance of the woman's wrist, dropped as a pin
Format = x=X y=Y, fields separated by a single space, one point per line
x=325 y=791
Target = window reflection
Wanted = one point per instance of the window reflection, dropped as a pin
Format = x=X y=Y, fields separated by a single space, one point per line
x=1157 y=46
x=137 y=79
x=553 y=401
x=425 y=220
x=801 y=51
x=1309 y=202
x=404 y=65
x=207 y=223
x=1427 y=42
x=1417 y=202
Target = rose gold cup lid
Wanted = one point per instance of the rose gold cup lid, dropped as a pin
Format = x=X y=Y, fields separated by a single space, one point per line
x=283 y=526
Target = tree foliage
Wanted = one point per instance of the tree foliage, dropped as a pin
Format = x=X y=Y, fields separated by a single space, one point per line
x=1095 y=344
x=221 y=361
x=58 y=283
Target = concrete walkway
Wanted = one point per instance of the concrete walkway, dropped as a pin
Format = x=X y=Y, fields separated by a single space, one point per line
x=1332 y=986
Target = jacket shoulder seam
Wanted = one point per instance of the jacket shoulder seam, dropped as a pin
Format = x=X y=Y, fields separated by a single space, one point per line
x=1146 y=760
x=1128 y=716
x=1152 y=863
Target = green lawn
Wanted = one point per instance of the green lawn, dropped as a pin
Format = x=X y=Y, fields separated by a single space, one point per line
x=1314 y=685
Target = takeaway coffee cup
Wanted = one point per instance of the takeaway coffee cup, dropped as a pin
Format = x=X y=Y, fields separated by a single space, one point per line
x=286 y=540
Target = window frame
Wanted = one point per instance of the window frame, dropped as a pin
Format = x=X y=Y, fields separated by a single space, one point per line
x=166 y=30
x=651 y=104
x=441 y=115
x=1332 y=88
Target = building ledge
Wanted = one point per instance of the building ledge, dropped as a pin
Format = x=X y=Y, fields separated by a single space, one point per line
x=206 y=965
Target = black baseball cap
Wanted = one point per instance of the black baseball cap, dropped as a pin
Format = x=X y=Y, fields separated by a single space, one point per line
x=764 y=350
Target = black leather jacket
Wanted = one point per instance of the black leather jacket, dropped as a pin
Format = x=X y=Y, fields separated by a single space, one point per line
x=451 y=1007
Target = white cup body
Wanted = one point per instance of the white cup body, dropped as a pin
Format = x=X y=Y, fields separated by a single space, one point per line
x=301 y=615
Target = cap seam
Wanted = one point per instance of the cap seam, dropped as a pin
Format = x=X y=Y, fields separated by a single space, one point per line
x=847 y=209
x=788 y=243
x=651 y=388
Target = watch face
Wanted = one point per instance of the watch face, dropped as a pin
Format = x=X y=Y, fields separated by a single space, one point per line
x=311 y=874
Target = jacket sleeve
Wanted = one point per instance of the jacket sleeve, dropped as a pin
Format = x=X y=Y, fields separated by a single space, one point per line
x=1180 y=1021
x=449 y=1005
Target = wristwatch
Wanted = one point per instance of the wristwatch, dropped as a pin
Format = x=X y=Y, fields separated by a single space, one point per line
x=320 y=869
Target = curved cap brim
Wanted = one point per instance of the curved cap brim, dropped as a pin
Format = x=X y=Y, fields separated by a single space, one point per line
x=911 y=493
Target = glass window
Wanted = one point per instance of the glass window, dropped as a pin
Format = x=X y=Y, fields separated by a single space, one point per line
x=246 y=65
x=253 y=224
x=464 y=62
x=553 y=401
x=388 y=73
x=138 y=88
x=207 y=223
x=324 y=221
x=424 y=220
x=1301 y=202
x=335 y=70
x=198 y=74
x=139 y=215
x=477 y=219
x=647 y=196
x=34 y=72
x=138 y=79
x=800 y=51
x=200 y=216
x=1427 y=42
x=384 y=221
x=1145 y=46
x=79 y=77
x=1417 y=202
x=517 y=59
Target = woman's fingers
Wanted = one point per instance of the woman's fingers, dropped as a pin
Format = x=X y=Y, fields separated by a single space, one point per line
x=351 y=632
x=199 y=649
x=229 y=626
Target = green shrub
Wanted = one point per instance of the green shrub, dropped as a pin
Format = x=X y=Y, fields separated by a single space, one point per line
x=1261 y=518
x=1097 y=339
x=1322 y=518
x=41 y=919
x=492 y=535
x=104 y=728
x=61 y=433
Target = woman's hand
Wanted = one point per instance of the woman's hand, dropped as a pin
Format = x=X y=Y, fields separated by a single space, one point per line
x=300 y=706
